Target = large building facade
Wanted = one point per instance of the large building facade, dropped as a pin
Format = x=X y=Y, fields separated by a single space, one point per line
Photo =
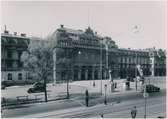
x=86 y=52
x=81 y=55
x=12 y=47
x=88 y=56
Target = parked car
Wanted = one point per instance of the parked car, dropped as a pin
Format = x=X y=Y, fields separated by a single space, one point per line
x=130 y=79
x=37 y=88
x=150 y=88
x=3 y=86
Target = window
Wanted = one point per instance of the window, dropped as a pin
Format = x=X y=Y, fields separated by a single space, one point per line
x=125 y=59
x=20 y=76
x=9 y=76
x=19 y=55
x=9 y=54
x=9 y=64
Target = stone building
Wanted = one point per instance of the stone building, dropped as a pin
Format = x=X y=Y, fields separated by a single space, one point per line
x=128 y=59
x=81 y=55
x=12 y=46
x=86 y=52
x=89 y=56
x=157 y=62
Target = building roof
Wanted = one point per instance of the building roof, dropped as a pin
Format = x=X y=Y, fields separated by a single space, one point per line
x=11 y=39
x=72 y=31
x=14 y=36
x=134 y=50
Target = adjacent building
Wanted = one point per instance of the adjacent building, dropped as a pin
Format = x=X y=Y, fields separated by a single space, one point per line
x=12 y=47
x=157 y=62
x=128 y=59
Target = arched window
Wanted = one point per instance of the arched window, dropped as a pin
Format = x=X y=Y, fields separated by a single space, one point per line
x=9 y=54
x=20 y=76
x=9 y=76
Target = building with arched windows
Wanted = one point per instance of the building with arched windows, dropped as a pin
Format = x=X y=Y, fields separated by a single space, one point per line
x=12 y=46
x=91 y=56
x=86 y=52
x=81 y=55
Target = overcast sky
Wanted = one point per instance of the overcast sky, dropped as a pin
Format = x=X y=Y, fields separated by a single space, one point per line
x=118 y=20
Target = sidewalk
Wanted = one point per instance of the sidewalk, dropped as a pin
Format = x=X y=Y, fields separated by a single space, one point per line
x=77 y=90
x=71 y=106
x=77 y=101
x=94 y=93
x=97 y=88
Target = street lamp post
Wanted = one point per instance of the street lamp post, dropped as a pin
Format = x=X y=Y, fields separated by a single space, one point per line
x=136 y=73
x=145 y=108
x=68 y=71
x=105 y=100
x=54 y=66
x=152 y=65
x=67 y=86
x=107 y=61
x=101 y=67
x=145 y=94
x=93 y=79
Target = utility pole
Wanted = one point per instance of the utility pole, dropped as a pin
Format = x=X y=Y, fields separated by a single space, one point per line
x=136 y=73
x=45 y=90
x=145 y=107
x=152 y=65
x=54 y=66
x=101 y=58
x=107 y=60
x=105 y=99
x=145 y=94
x=67 y=78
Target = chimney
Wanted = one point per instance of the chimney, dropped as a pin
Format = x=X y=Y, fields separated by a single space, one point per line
x=23 y=34
x=6 y=32
x=62 y=26
x=15 y=33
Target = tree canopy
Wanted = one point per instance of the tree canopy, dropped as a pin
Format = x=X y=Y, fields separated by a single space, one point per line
x=38 y=59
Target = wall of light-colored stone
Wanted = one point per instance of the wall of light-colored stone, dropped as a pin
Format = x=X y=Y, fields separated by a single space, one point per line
x=4 y=75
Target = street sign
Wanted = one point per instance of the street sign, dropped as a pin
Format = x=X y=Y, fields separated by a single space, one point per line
x=145 y=95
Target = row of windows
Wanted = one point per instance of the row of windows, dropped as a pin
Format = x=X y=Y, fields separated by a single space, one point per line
x=133 y=60
x=14 y=41
x=10 y=77
x=11 y=64
x=10 y=54
x=132 y=66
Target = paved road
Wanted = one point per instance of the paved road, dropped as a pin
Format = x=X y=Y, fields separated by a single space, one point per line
x=76 y=108
x=155 y=107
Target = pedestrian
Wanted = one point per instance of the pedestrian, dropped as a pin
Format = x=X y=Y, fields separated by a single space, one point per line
x=134 y=112
x=101 y=115
x=87 y=98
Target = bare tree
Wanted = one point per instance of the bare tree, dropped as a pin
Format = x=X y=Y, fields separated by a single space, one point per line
x=38 y=59
x=64 y=60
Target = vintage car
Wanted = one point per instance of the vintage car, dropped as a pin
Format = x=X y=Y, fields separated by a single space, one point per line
x=150 y=88
x=37 y=88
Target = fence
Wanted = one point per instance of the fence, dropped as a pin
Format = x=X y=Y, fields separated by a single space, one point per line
x=19 y=100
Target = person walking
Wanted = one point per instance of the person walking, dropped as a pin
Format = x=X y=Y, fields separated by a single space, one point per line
x=134 y=112
x=87 y=98
x=101 y=115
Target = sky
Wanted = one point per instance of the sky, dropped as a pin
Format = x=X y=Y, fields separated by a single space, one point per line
x=135 y=25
